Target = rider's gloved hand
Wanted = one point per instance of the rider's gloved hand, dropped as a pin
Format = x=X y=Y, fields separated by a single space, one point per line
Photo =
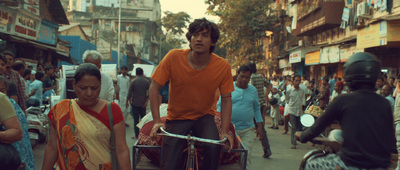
x=156 y=127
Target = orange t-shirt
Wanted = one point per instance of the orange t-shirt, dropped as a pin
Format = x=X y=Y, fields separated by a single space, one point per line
x=192 y=92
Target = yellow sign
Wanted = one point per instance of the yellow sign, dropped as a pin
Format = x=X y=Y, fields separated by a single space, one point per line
x=369 y=36
x=393 y=31
x=312 y=58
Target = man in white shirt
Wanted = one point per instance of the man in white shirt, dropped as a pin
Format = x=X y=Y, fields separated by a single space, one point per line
x=123 y=81
x=107 y=85
x=295 y=99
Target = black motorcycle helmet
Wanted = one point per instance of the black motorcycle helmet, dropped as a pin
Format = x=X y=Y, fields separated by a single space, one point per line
x=361 y=71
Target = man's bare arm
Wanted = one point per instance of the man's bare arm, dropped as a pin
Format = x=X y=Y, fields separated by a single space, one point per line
x=155 y=107
x=226 y=111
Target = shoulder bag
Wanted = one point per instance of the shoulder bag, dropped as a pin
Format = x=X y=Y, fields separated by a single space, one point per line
x=114 y=162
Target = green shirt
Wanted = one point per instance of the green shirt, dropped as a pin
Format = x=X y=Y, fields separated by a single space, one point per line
x=7 y=111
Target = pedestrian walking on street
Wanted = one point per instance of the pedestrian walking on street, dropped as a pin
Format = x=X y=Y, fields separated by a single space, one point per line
x=259 y=82
x=295 y=98
x=80 y=135
x=195 y=74
x=15 y=78
x=324 y=93
x=245 y=108
x=332 y=82
x=123 y=82
x=138 y=97
x=107 y=90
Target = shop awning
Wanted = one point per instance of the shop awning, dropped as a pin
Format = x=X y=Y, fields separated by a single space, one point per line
x=40 y=45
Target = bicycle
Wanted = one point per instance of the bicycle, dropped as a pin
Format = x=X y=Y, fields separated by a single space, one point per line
x=192 y=161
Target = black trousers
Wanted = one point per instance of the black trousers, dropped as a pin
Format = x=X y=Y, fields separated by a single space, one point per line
x=137 y=112
x=172 y=148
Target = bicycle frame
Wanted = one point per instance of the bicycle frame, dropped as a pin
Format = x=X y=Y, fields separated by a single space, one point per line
x=192 y=162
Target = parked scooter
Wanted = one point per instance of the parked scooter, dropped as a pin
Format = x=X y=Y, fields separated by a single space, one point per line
x=38 y=123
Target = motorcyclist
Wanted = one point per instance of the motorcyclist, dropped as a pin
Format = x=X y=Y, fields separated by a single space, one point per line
x=365 y=117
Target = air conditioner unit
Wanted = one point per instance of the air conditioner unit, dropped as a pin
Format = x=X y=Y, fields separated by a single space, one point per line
x=363 y=10
x=129 y=28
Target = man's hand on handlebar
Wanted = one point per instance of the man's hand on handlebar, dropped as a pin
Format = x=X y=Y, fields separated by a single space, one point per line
x=225 y=134
x=156 y=127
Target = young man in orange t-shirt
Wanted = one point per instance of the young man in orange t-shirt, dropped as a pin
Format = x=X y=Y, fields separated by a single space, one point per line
x=194 y=74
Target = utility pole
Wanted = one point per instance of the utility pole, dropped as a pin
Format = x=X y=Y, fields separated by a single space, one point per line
x=119 y=37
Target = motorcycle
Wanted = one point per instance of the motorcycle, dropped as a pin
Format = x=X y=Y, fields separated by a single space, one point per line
x=38 y=124
x=324 y=144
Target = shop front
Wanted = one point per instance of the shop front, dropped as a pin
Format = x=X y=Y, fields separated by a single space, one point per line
x=297 y=59
x=30 y=37
x=383 y=40
x=312 y=60
x=285 y=67
x=330 y=61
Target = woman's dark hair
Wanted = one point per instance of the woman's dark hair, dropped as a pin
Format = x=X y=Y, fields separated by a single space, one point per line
x=11 y=88
x=139 y=71
x=326 y=78
x=8 y=52
x=201 y=24
x=124 y=67
x=18 y=65
x=39 y=75
x=86 y=69
x=253 y=67
x=27 y=72
x=3 y=57
x=243 y=68
x=296 y=75
x=49 y=67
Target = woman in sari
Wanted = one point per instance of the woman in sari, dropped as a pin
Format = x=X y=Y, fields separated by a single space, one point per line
x=80 y=128
x=23 y=146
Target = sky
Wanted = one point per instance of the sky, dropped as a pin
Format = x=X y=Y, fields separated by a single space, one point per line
x=195 y=8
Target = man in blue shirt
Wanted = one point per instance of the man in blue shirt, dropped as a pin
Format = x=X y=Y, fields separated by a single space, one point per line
x=245 y=107
x=38 y=86
x=332 y=83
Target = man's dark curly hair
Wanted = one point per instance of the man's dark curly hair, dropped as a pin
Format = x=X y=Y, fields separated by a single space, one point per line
x=201 y=24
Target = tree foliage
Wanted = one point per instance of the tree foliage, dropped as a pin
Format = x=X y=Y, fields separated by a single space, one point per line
x=243 y=24
x=174 y=24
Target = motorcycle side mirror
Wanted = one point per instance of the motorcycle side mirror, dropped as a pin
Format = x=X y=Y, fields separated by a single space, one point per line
x=307 y=120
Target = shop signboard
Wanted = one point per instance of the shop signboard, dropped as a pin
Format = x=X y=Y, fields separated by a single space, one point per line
x=295 y=57
x=372 y=35
x=345 y=53
x=396 y=3
x=32 y=6
x=7 y=18
x=393 y=30
x=312 y=58
x=47 y=33
x=330 y=54
x=62 y=47
x=26 y=27
x=283 y=63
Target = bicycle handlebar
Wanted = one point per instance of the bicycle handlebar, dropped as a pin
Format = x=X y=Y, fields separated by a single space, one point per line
x=193 y=138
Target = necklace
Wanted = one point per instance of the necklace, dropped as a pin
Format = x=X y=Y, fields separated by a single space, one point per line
x=196 y=67
x=89 y=106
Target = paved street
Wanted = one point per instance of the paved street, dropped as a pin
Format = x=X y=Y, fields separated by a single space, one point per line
x=283 y=158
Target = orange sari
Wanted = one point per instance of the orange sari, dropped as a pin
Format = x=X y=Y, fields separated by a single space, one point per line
x=83 y=142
